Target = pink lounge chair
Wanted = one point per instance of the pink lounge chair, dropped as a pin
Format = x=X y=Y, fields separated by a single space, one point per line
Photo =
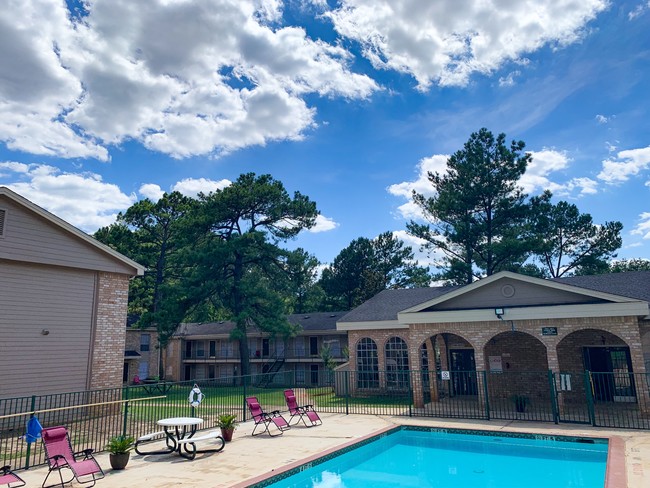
x=59 y=454
x=266 y=420
x=9 y=478
x=299 y=413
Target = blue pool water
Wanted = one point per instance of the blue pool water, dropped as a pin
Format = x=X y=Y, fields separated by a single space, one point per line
x=410 y=458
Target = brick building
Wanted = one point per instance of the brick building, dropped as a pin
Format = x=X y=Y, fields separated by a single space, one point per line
x=63 y=302
x=505 y=323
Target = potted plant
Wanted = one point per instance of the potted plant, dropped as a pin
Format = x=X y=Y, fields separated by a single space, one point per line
x=120 y=448
x=521 y=402
x=227 y=423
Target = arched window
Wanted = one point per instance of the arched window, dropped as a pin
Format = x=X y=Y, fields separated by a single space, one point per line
x=367 y=364
x=397 y=364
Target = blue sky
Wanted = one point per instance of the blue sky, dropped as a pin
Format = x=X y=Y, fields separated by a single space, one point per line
x=104 y=103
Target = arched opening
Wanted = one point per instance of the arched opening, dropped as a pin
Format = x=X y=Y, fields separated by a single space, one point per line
x=397 y=364
x=367 y=364
x=448 y=367
x=607 y=359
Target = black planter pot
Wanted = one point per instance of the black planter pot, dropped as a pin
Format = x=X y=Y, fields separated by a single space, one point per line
x=119 y=461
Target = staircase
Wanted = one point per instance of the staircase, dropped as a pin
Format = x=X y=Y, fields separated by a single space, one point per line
x=266 y=378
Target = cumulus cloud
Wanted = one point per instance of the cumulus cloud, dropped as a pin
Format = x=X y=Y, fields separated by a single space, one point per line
x=546 y=162
x=445 y=42
x=151 y=191
x=83 y=200
x=182 y=78
x=434 y=164
x=191 y=187
x=423 y=258
x=323 y=224
x=626 y=164
x=601 y=119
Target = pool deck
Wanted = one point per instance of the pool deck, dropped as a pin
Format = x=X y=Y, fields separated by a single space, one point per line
x=249 y=458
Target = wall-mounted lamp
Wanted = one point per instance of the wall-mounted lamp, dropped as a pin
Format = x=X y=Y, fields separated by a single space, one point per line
x=45 y=332
x=499 y=313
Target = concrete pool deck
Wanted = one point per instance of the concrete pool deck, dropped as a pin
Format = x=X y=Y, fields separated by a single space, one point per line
x=247 y=458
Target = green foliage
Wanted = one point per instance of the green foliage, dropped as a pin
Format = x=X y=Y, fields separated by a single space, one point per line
x=120 y=444
x=624 y=265
x=567 y=241
x=327 y=358
x=477 y=215
x=366 y=267
x=227 y=421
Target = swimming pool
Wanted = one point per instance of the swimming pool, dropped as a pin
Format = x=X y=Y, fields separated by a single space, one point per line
x=441 y=458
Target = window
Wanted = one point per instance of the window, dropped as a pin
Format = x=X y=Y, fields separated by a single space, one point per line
x=211 y=371
x=367 y=364
x=397 y=363
x=313 y=346
x=200 y=349
x=145 y=343
x=299 y=346
x=300 y=374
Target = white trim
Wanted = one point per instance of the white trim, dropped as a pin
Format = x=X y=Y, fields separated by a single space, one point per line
x=139 y=269
x=370 y=325
x=516 y=277
x=633 y=308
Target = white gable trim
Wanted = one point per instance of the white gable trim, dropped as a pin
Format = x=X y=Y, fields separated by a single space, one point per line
x=635 y=308
x=371 y=325
x=516 y=277
x=20 y=200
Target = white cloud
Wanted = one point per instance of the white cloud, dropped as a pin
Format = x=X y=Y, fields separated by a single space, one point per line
x=183 y=78
x=82 y=199
x=627 y=163
x=151 y=191
x=424 y=258
x=601 y=119
x=643 y=227
x=445 y=42
x=538 y=175
x=433 y=164
x=191 y=187
x=639 y=10
x=323 y=224
x=510 y=79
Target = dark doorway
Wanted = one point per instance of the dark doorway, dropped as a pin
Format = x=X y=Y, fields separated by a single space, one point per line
x=265 y=348
x=314 y=374
x=463 y=372
x=611 y=369
x=313 y=346
x=125 y=374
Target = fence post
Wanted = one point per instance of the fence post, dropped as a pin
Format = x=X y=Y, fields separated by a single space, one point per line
x=590 y=397
x=29 y=444
x=411 y=393
x=126 y=411
x=487 y=397
x=244 y=381
x=347 y=391
x=554 y=406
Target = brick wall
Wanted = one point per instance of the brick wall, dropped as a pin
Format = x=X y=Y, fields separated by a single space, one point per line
x=107 y=360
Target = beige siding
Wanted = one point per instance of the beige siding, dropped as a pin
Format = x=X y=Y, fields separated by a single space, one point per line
x=512 y=293
x=31 y=238
x=34 y=298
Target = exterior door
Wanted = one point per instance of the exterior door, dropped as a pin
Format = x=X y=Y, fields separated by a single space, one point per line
x=611 y=373
x=463 y=372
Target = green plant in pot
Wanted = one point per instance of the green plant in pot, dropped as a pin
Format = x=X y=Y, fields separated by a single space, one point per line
x=120 y=447
x=227 y=423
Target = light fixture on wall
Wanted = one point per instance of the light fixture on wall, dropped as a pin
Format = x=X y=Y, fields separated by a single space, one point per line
x=499 y=313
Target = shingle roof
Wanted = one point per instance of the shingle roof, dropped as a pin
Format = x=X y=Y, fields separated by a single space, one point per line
x=386 y=304
x=314 y=322
x=631 y=284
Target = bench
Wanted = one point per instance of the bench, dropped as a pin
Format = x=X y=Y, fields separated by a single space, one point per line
x=191 y=453
x=152 y=437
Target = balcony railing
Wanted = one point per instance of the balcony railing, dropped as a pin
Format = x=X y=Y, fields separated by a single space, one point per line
x=287 y=355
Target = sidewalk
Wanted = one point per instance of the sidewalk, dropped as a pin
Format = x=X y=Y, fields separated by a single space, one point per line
x=247 y=457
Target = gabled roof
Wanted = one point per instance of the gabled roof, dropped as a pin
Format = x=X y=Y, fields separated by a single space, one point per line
x=384 y=308
x=71 y=229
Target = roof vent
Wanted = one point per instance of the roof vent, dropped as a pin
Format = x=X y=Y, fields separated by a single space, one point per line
x=306 y=317
x=3 y=215
x=333 y=315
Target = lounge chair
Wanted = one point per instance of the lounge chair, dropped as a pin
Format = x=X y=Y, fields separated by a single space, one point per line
x=9 y=478
x=266 y=420
x=300 y=412
x=59 y=454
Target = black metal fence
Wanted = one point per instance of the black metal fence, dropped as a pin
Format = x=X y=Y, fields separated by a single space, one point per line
x=600 y=399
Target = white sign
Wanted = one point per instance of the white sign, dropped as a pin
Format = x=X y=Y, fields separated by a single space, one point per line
x=444 y=375
x=496 y=366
